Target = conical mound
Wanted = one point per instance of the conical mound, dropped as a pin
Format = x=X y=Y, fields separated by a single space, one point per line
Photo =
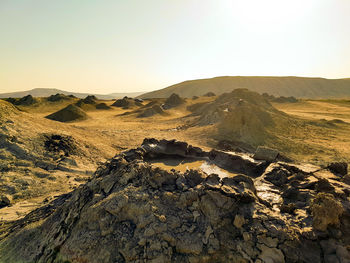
x=241 y=115
x=173 y=101
x=154 y=110
x=58 y=97
x=126 y=103
x=102 y=106
x=67 y=114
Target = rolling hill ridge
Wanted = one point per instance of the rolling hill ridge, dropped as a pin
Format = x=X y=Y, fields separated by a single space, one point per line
x=45 y=92
x=299 y=87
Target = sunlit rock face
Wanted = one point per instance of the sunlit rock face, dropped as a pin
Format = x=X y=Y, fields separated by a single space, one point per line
x=167 y=201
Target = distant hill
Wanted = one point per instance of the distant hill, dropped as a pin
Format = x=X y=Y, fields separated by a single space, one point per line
x=41 y=92
x=278 y=86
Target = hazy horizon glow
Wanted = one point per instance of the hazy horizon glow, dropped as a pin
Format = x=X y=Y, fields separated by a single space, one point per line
x=127 y=46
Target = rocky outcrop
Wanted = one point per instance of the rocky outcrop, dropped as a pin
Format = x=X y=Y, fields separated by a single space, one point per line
x=4 y=201
x=133 y=211
x=265 y=153
x=326 y=211
x=340 y=168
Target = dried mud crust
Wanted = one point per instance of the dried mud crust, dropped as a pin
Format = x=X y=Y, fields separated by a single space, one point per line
x=61 y=144
x=132 y=211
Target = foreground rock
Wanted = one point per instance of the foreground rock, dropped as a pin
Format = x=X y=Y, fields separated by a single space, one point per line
x=133 y=211
x=265 y=153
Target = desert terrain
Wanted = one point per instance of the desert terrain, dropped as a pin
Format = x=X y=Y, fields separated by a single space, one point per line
x=318 y=134
x=52 y=148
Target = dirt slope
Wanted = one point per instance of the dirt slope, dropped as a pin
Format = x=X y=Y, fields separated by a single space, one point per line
x=40 y=158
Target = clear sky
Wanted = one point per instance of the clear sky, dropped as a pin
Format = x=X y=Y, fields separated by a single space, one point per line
x=105 y=46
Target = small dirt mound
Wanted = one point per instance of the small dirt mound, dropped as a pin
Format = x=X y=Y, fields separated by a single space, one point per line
x=58 y=97
x=26 y=101
x=281 y=99
x=90 y=100
x=89 y=103
x=173 y=101
x=60 y=144
x=102 y=106
x=68 y=114
x=126 y=103
x=247 y=123
x=7 y=109
x=154 y=110
x=209 y=94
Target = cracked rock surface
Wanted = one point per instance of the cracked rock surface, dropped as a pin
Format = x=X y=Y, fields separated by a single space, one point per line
x=133 y=211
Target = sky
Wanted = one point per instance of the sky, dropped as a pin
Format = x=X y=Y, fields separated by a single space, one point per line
x=105 y=46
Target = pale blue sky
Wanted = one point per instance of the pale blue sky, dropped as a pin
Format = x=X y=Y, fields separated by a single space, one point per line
x=105 y=46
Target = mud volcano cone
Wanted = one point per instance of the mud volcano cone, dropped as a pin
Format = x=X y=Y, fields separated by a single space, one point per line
x=58 y=97
x=127 y=103
x=173 y=101
x=67 y=114
x=26 y=101
x=154 y=110
x=102 y=106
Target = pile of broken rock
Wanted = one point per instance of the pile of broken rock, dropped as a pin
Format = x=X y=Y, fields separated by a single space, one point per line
x=132 y=211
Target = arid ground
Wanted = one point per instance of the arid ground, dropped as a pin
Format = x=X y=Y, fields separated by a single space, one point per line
x=320 y=137
x=51 y=148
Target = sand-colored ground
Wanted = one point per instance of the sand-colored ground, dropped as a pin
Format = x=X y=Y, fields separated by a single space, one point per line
x=323 y=109
x=329 y=134
x=108 y=132
x=317 y=143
